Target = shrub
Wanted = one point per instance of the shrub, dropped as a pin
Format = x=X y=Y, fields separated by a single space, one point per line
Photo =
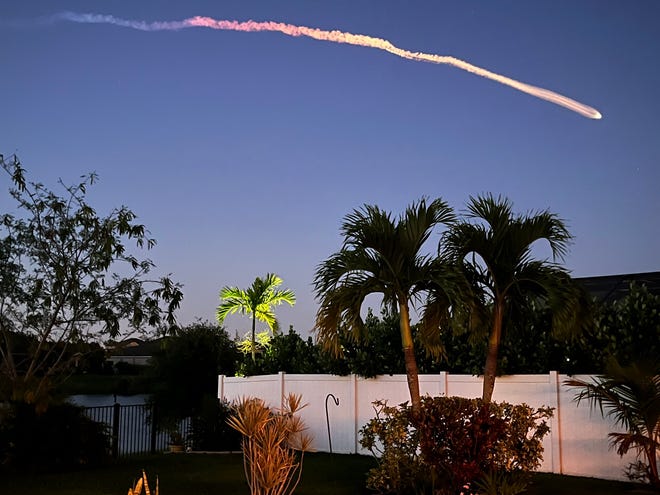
x=209 y=430
x=61 y=437
x=391 y=438
x=455 y=443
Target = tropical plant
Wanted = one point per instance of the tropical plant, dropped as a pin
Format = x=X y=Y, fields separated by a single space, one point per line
x=630 y=395
x=501 y=483
x=382 y=255
x=494 y=249
x=257 y=300
x=67 y=275
x=274 y=444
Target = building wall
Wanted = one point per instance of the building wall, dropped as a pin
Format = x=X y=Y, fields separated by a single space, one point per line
x=136 y=360
x=577 y=443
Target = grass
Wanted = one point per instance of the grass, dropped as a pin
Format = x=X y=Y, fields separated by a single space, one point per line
x=206 y=474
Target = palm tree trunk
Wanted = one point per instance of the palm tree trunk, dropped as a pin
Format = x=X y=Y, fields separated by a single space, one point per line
x=490 y=368
x=409 y=358
x=254 y=343
x=654 y=479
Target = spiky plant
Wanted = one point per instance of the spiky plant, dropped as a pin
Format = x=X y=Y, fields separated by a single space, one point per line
x=274 y=444
x=142 y=483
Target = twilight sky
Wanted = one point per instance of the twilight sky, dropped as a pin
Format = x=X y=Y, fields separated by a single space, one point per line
x=242 y=152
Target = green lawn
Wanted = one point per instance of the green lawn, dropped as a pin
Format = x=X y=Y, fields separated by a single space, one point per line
x=206 y=474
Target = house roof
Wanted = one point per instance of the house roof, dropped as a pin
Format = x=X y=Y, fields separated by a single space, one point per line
x=137 y=348
x=613 y=287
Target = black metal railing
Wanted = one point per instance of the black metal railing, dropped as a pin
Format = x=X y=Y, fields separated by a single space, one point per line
x=131 y=428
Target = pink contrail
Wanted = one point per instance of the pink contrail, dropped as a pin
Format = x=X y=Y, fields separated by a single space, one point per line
x=336 y=37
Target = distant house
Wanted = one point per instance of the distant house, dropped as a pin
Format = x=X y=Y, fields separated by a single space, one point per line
x=609 y=288
x=133 y=351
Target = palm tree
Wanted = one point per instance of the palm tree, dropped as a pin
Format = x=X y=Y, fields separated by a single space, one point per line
x=493 y=248
x=631 y=396
x=257 y=300
x=380 y=255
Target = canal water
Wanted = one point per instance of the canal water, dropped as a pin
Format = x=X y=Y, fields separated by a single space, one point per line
x=108 y=400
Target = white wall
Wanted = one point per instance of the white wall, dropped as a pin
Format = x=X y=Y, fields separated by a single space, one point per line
x=577 y=443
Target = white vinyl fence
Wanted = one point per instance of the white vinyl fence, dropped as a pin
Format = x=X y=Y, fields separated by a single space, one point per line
x=576 y=445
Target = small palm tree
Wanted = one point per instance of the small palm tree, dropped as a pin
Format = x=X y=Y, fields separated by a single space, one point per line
x=257 y=301
x=493 y=248
x=381 y=255
x=631 y=396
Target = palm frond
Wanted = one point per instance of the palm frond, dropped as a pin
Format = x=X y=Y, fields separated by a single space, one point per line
x=256 y=300
x=630 y=395
x=379 y=254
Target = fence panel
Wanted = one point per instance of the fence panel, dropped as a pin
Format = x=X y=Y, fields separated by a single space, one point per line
x=577 y=443
x=130 y=429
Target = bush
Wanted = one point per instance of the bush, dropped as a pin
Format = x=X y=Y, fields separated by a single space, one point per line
x=210 y=431
x=395 y=443
x=61 y=437
x=465 y=439
x=456 y=442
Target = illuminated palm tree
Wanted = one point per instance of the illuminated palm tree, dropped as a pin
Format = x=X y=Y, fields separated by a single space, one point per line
x=493 y=248
x=380 y=255
x=257 y=301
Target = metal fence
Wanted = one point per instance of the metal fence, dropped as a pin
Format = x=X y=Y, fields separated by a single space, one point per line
x=131 y=428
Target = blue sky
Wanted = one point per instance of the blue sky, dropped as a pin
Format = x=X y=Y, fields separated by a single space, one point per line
x=241 y=152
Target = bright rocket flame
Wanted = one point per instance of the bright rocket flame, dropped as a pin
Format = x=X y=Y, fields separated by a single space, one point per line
x=336 y=37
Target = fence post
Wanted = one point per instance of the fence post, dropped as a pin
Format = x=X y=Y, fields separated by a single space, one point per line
x=282 y=386
x=356 y=412
x=154 y=428
x=116 y=410
x=221 y=387
x=555 y=423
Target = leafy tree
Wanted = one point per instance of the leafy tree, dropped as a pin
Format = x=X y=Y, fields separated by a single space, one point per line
x=381 y=255
x=631 y=396
x=257 y=301
x=67 y=275
x=185 y=370
x=378 y=352
x=292 y=354
x=493 y=247
x=626 y=329
x=287 y=352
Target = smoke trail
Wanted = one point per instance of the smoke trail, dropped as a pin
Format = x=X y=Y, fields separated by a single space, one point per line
x=335 y=37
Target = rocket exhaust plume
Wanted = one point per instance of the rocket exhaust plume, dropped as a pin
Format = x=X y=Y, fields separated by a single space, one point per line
x=335 y=37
